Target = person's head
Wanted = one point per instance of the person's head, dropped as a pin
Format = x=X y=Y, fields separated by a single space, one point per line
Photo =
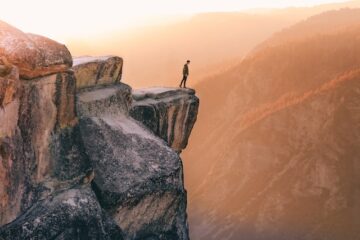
x=188 y=61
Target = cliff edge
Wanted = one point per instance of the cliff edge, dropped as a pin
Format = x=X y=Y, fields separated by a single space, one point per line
x=80 y=155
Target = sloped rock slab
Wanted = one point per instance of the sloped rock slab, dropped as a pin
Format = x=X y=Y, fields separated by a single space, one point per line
x=105 y=100
x=138 y=179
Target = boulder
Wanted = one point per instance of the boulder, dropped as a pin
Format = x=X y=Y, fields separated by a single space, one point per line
x=138 y=178
x=72 y=214
x=96 y=71
x=170 y=113
x=34 y=55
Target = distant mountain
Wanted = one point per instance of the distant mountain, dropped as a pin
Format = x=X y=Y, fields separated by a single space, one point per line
x=334 y=20
x=206 y=39
x=274 y=154
x=212 y=41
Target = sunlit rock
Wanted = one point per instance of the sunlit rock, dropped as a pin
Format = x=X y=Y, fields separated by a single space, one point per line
x=34 y=55
x=138 y=179
x=170 y=113
x=102 y=101
x=94 y=71
x=39 y=142
x=67 y=134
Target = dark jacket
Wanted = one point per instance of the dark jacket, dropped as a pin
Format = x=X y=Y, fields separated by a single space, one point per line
x=186 y=70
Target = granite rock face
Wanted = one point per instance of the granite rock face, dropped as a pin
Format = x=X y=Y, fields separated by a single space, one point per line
x=170 y=113
x=138 y=178
x=9 y=85
x=38 y=142
x=91 y=71
x=72 y=214
x=34 y=55
x=104 y=101
x=73 y=163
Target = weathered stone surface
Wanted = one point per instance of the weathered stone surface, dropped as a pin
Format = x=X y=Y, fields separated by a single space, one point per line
x=34 y=55
x=106 y=100
x=9 y=85
x=48 y=160
x=39 y=143
x=72 y=214
x=92 y=71
x=138 y=179
x=169 y=112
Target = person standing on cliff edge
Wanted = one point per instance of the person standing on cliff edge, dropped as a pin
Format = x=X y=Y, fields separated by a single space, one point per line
x=185 y=73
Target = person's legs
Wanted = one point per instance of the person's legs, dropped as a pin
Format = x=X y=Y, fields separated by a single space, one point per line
x=183 y=81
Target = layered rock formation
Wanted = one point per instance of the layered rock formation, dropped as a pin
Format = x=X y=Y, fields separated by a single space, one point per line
x=170 y=113
x=138 y=178
x=39 y=142
x=54 y=141
x=91 y=71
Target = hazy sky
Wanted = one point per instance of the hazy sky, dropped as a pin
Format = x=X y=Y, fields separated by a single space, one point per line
x=62 y=18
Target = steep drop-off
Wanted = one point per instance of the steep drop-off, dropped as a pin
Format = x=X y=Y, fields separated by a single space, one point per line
x=73 y=163
x=280 y=154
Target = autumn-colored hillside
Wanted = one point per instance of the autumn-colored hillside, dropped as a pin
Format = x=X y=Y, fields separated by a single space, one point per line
x=265 y=85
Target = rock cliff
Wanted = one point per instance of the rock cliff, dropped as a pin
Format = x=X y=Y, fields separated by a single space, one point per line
x=170 y=113
x=74 y=164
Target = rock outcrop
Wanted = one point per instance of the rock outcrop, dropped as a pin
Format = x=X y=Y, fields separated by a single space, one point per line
x=34 y=55
x=73 y=163
x=107 y=100
x=38 y=142
x=91 y=71
x=72 y=214
x=138 y=178
x=169 y=113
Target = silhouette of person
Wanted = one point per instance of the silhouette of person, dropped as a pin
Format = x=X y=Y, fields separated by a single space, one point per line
x=185 y=73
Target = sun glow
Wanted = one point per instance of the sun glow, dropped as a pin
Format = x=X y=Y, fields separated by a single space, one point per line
x=87 y=18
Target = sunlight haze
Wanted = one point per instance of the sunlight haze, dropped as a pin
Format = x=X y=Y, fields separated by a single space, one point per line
x=180 y=119
x=65 y=19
